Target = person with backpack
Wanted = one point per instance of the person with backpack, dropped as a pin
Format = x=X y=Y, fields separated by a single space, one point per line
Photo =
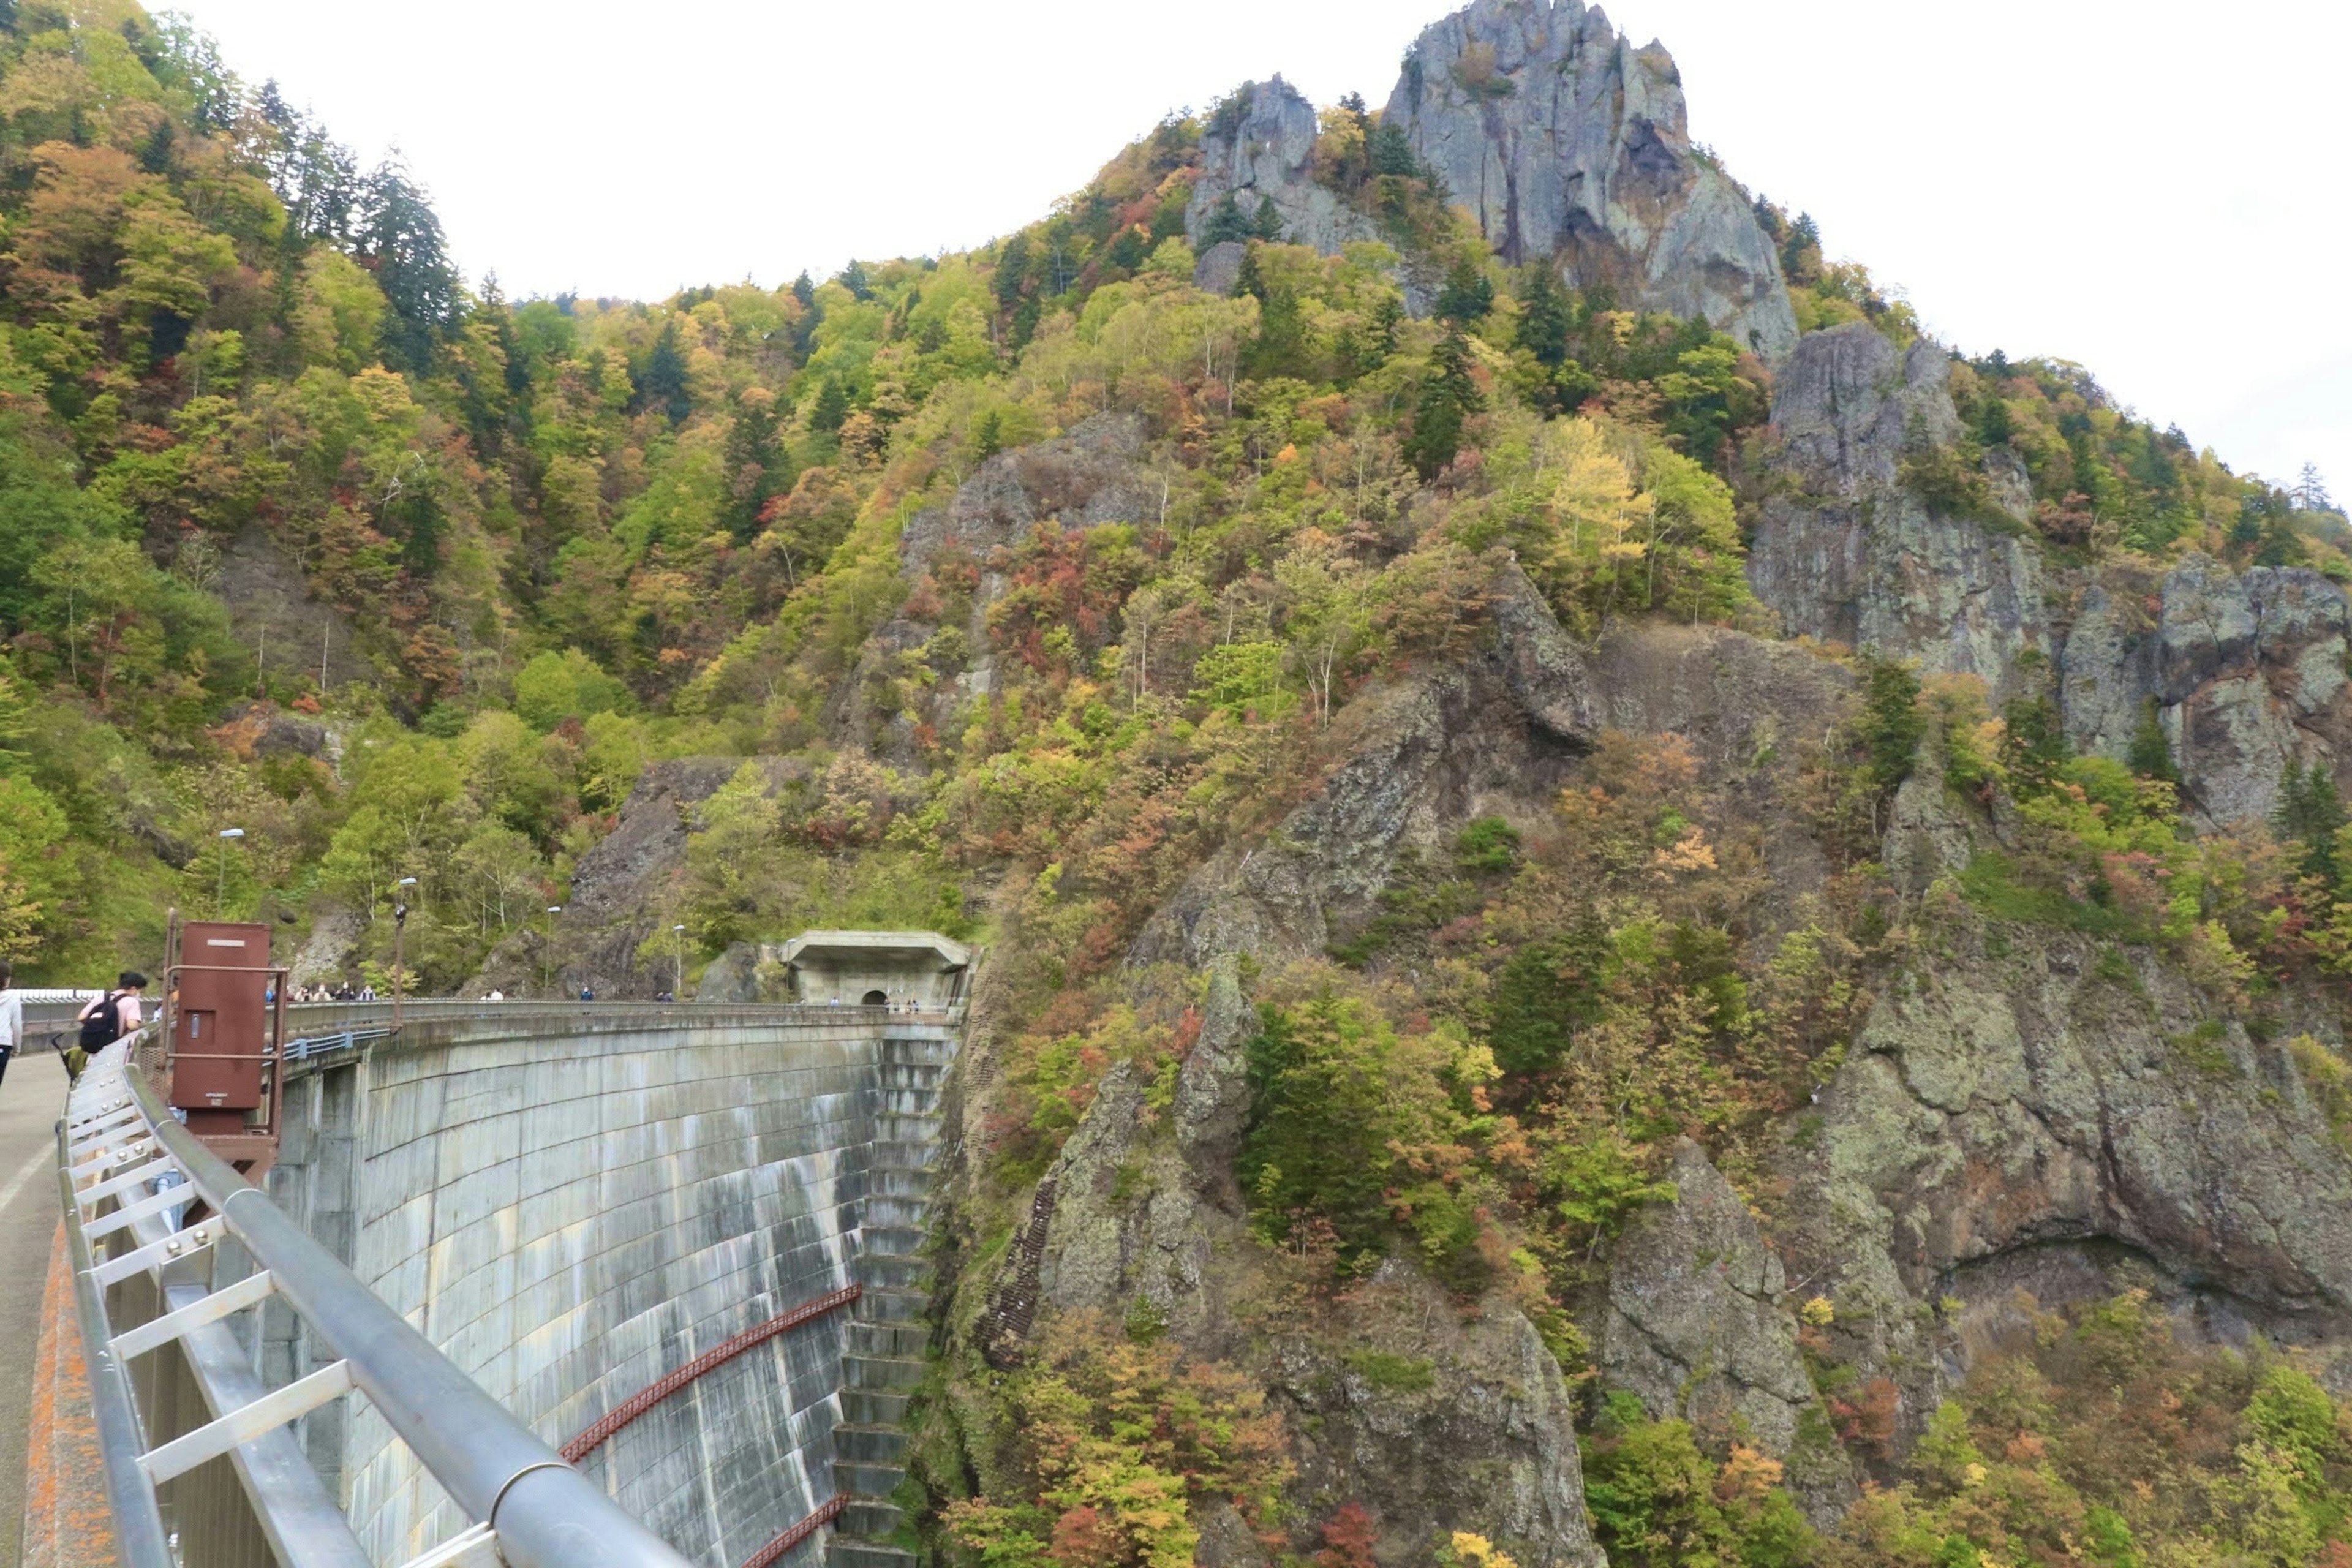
x=106 y=1019
x=12 y=1016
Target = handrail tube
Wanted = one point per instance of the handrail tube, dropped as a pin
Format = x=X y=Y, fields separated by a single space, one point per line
x=826 y=1512
x=546 y=1514
x=618 y=1419
x=138 y=1534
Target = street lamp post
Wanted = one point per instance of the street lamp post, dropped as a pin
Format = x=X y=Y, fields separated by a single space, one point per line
x=677 y=992
x=399 y=936
x=546 y=953
x=220 y=883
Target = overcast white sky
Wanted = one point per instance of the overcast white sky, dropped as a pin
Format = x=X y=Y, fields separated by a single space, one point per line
x=2155 y=189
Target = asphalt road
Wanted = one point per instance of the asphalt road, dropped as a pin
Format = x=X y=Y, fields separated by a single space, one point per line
x=32 y=1097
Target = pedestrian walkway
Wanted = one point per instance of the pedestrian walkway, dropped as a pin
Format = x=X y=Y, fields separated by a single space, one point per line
x=32 y=1097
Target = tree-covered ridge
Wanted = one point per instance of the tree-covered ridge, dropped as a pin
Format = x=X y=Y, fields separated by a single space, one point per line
x=536 y=545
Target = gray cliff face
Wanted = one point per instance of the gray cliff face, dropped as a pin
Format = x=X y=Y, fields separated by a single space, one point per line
x=1269 y=153
x=1084 y=479
x=2027 y=1114
x=1565 y=140
x=1699 y=1324
x=1847 y=554
x=2246 y=672
x=1091 y=475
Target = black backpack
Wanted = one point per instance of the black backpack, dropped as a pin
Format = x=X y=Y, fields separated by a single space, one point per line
x=104 y=1023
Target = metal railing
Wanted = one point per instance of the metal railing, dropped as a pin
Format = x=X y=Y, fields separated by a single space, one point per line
x=315 y=1019
x=150 y=1214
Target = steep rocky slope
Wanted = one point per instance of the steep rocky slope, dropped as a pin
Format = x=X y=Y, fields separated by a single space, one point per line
x=1144 y=1207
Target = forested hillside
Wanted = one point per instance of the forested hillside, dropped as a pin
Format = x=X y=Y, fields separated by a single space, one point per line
x=1486 y=714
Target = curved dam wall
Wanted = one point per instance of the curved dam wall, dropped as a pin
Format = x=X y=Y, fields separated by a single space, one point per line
x=572 y=1208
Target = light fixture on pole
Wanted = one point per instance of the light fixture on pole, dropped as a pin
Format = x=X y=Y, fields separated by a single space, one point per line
x=220 y=884
x=546 y=953
x=399 y=934
x=677 y=992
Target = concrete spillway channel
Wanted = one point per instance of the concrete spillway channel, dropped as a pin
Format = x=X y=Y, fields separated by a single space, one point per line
x=702 y=1224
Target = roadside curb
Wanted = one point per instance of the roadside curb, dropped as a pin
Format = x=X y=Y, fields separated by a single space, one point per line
x=67 y=1522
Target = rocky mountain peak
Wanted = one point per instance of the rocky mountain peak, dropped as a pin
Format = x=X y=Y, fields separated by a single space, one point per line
x=1260 y=147
x=1562 y=140
x=1566 y=142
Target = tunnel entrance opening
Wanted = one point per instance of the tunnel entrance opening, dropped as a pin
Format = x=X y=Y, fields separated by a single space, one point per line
x=876 y=999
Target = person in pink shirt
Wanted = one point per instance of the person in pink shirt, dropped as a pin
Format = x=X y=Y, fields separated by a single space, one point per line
x=106 y=1019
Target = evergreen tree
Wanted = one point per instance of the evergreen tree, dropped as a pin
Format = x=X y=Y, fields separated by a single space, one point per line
x=401 y=242
x=2151 y=753
x=1249 y=280
x=2308 y=814
x=831 y=407
x=1467 y=295
x=758 y=469
x=1127 y=252
x=2035 y=741
x=662 y=384
x=155 y=153
x=415 y=519
x=1012 y=272
x=1267 y=224
x=1448 y=397
x=988 y=436
x=1227 y=223
x=1892 y=725
x=1993 y=423
x=852 y=278
x=2311 y=490
x=812 y=317
x=2279 y=544
x=1544 y=316
x=1800 y=252
x=1391 y=152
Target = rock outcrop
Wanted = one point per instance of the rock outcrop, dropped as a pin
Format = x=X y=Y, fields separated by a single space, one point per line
x=1445 y=1424
x=2033 y=1111
x=610 y=912
x=1848 y=553
x=2246 y=672
x=1424 y=756
x=1089 y=475
x=1698 y=1324
x=1260 y=148
x=1565 y=140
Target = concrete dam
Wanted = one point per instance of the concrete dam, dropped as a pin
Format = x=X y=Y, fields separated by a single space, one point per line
x=679 y=1244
